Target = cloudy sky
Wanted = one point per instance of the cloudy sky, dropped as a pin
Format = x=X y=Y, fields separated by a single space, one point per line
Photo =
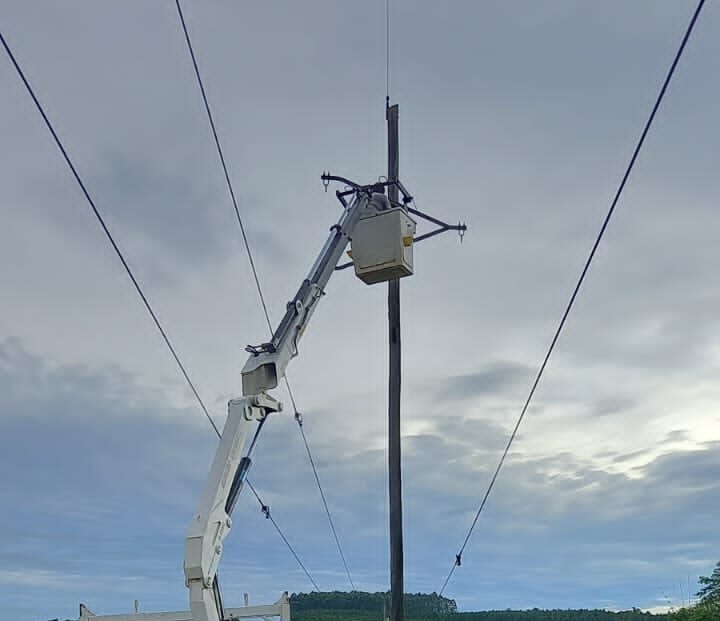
x=516 y=117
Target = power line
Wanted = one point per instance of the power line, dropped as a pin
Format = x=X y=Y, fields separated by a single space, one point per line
x=668 y=77
x=109 y=236
x=256 y=277
x=266 y=511
x=139 y=290
x=224 y=166
x=299 y=420
x=132 y=277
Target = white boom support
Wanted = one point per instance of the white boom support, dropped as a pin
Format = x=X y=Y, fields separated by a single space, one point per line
x=211 y=523
x=264 y=369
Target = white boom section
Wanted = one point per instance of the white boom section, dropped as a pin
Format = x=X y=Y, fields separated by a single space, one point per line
x=263 y=370
x=266 y=367
x=280 y=609
x=211 y=523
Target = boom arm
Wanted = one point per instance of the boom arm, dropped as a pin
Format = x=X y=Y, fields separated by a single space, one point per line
x=263 y=370
x=211 y=523
x=266 y=366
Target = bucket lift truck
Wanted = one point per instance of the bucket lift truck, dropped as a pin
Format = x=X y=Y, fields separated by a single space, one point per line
x=381 y=235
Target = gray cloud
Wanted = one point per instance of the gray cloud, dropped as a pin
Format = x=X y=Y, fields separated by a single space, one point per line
x=493 y=381
x=677 y=435
x=116 y=449
x=165 y=206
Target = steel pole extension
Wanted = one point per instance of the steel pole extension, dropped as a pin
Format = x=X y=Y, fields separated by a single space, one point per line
x=394 y=381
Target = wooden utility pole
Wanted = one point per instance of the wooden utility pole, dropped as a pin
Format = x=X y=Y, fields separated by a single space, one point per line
x=394 y=448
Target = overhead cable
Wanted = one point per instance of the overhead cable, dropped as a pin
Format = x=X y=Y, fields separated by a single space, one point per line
x=618 y=193
x=266 y=512
x=224 y=166
x=129 y=272
x=299 y=420
x=108 y=234
x=256 y=277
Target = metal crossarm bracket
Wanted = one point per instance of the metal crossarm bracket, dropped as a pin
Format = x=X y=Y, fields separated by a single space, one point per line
x=460 y=227
x=373 y=187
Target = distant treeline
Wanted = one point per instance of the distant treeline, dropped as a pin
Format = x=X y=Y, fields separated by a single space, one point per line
x=417 y=605
x=361 y=606
x=558 y=615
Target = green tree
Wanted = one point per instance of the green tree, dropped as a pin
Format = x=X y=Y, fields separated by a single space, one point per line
x=708 y=608
x=708 y=611
x=710 y=592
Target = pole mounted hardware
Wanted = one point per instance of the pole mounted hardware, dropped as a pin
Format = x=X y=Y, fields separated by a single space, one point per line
x=406 y=200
